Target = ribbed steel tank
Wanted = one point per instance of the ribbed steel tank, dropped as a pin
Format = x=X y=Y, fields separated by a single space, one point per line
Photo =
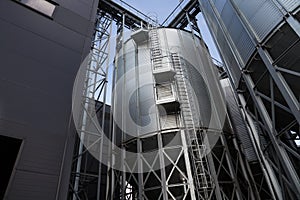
x=168 y=111
x=259 y=43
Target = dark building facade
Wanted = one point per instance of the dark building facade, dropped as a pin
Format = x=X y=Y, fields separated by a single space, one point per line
x=42 y=44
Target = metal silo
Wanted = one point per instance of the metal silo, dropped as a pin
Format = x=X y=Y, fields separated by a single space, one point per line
x=168 y=113
x=259 y=43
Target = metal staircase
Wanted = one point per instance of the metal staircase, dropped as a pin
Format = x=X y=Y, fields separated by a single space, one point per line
x=197 y=150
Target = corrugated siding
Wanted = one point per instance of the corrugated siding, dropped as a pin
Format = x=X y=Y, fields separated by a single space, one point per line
x=237 y=32
x=233 y=66
x=266 y=19
x=227 y=14
x=29 y=185
x=239 y=125
x=262 y=16
x=230 y=61
x=290 y=5
x=47 y=56
x=225 y=50
x=209 y=15
x=245 y=46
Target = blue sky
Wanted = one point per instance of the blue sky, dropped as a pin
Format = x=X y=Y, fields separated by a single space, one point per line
x=162 y=8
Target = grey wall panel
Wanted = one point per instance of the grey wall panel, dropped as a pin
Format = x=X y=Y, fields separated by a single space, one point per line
x=29 y=185
x=39 y=61
x=27 y=106
x=235 y=30
x=21 y=69
x=73 y=21
x=48 y=53
x=62 y=186
x=209 y=13
x=31 y=21
x=251 y=6
x=48 y=160
x=10 y=128
x=81 y=7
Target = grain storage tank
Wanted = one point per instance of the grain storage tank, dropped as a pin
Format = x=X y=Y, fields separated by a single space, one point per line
x=166 y=101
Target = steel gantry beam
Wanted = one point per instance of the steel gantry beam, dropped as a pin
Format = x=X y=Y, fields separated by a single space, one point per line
x=180 y=20
x=134 y=18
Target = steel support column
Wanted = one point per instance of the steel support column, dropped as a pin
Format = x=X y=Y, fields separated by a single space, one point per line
x=94 y=90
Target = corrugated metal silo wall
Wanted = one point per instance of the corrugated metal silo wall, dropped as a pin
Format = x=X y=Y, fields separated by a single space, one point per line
x=136 y=109
x=259 y=43
x=233 y=37
x=39 y=60
x=198 y=69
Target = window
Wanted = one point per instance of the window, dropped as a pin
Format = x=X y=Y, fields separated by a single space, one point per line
x=169 y=121
x=45 y=7
x=9 y=149
x=164 y=91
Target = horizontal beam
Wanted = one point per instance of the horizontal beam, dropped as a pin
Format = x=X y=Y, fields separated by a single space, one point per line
x=180 y=20
x=117 y=11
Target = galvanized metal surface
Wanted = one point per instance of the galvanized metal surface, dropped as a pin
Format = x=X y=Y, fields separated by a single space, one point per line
x=271 y=35
x=196 y=67
x=239 y=125
x=289 y=5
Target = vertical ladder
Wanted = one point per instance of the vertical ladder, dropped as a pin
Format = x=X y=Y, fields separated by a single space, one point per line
x=197 y=151
x=155 y=49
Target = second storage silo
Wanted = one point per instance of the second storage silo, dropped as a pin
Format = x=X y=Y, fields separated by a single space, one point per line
x=259 y=41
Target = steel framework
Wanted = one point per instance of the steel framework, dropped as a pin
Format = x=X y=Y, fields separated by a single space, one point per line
x=92 y=76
